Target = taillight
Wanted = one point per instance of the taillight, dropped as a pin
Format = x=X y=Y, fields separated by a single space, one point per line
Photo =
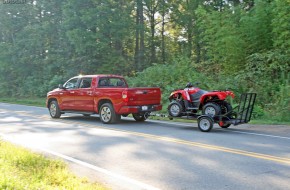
x=125 y=96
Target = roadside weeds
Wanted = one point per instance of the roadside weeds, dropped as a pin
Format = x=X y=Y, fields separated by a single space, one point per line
x=22 y=169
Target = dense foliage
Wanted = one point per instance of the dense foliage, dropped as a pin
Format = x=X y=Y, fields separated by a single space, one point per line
x=242 y=45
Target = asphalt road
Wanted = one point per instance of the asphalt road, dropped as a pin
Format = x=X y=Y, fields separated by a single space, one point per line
x=153 y=154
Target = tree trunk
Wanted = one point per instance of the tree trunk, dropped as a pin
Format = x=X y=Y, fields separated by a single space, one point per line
x=137 y=38
x=140 y=35
x=163 y=36
x=152 y=26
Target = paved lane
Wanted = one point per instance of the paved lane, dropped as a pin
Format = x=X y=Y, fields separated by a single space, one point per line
x=161 y=155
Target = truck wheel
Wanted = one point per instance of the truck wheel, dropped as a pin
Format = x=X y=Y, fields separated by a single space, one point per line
x=205 y=123
x=108 y=114
x=140 y=117
x=54 y=110
x=175 y=109
x=211 y=109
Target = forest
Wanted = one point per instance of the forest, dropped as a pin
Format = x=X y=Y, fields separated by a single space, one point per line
x=242 y=45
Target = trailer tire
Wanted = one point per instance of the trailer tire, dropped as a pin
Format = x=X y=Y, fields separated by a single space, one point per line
x=205 y=123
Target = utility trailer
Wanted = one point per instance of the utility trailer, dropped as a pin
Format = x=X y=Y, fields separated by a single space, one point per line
x=239 y=115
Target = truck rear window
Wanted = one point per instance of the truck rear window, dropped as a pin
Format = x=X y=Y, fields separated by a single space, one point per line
x=112 y=82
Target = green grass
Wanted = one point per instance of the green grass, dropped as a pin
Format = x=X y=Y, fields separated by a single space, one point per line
x=40 y=102
x=269 y=122
x=22 y=169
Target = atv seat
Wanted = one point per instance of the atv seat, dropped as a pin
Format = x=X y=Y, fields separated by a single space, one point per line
x=196 y=97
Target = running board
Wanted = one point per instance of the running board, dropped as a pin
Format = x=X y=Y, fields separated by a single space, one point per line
x=77 y=112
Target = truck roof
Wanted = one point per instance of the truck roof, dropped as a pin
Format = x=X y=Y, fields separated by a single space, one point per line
x=101 y=75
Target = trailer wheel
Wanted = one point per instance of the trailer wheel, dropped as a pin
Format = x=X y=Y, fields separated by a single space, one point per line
x=205 y=123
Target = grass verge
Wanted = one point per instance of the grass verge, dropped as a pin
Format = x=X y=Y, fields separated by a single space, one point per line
x=40 y=102
x=22 y=169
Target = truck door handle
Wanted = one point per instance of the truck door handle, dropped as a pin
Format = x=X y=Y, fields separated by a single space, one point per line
x=72 y=92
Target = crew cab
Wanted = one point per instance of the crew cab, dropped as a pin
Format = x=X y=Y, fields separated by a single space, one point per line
x=106 y=95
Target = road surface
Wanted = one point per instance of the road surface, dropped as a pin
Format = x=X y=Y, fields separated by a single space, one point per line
x=155 y=154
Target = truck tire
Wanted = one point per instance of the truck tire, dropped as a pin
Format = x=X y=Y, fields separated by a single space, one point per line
x=211 y=109
x=54 y=110
x=205 y=123
x=108 y=114
x=140 y=117
x=175 y=109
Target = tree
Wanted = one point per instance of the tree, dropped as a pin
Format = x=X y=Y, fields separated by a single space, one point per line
x=140 y=36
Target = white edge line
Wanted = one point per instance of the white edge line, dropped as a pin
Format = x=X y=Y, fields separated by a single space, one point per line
x=87 y=165
x=257 y=134
x=101 y=170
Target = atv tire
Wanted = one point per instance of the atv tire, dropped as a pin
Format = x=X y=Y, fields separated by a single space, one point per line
x=175 y=109
x=211 y=109
x=225 y=107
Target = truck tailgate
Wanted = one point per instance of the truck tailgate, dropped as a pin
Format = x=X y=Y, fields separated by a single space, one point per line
x=143 y=96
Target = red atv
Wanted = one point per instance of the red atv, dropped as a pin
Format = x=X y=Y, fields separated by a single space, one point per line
x=188 y=101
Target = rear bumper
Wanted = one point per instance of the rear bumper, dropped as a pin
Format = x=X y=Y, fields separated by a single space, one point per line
x=138 y=109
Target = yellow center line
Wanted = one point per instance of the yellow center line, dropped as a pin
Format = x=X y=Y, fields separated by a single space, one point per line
x=183 y=142
x=195 y=144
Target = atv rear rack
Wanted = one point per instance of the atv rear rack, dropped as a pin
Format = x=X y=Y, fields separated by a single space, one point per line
x=239 y=115
x=243 y=113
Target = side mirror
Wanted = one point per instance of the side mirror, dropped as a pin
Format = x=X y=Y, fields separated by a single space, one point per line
x=60 y=86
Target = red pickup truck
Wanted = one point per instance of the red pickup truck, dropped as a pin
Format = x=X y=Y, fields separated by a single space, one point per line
x=106 y=95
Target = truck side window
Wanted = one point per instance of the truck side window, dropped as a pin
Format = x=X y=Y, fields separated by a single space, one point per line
x=71 y=84
x=86 y=83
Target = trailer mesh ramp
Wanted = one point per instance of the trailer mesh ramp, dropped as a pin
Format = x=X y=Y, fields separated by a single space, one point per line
x=245 y=108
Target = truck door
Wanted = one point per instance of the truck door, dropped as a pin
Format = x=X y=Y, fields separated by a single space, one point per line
x=84 y=97
x=68 y=94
